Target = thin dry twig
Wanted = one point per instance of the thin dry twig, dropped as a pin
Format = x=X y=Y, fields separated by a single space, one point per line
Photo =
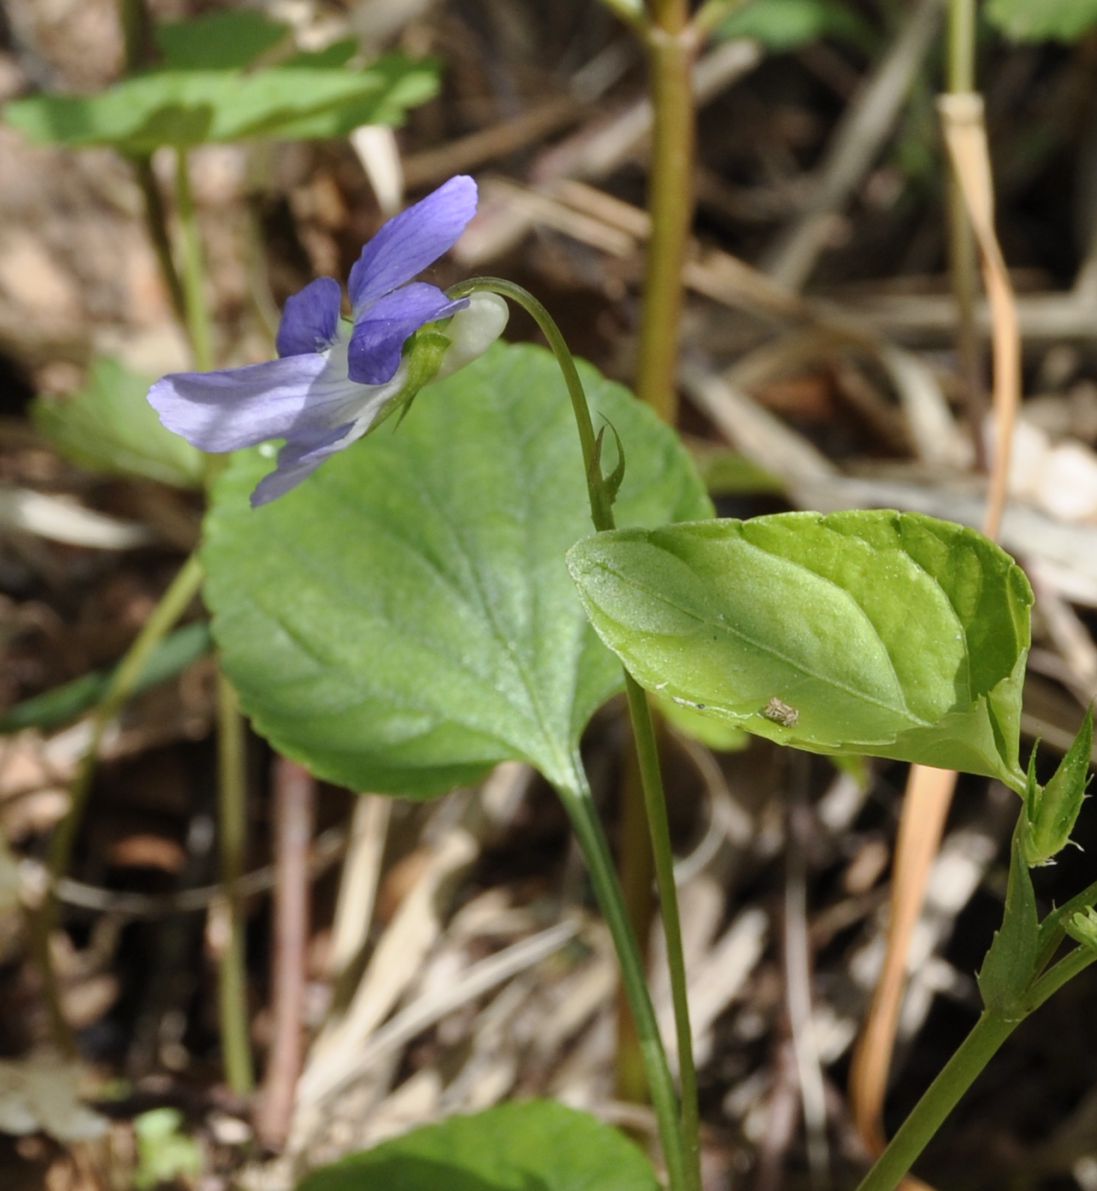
x=591 y=154
x=361 y=873
x=965 y=135
x=926 y=802
x=294 y=808
x=797 y=967
x=929 y=791
x=618 y=228
x=336 y=1056
x=854 y=146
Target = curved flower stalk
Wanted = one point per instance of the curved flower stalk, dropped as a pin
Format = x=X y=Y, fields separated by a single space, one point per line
x=337 y=379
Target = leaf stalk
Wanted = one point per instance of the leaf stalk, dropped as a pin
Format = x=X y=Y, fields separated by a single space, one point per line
x=684 y=1146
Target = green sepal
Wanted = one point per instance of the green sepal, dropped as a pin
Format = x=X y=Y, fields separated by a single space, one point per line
x=1010 y=965
x=1052 y=811
x=423 y=356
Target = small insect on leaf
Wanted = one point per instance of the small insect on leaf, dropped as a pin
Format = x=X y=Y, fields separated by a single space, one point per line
x=780 y=712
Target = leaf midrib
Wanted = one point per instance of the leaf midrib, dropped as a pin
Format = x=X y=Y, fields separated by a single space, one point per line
x=769 y=649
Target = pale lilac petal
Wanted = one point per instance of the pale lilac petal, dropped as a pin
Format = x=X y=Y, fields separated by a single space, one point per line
x=310 y=318
x=411 y=241
x=240 y=407
x=377 y=342
x=297 y=461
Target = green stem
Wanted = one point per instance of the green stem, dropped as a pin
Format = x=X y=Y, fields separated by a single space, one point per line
x=636 y=866
x=194 y=272
x=134 y=19
x=942 y=1096
x=655 y=803
x=670 y=46
x=671 y=15
x=137 y=38
x=601 y=512
x=963 y=261
x=712 y=14
x=1072 y=964
x=156 y=223
x=961 y=46
x=588 y=830
x=173 y=603
x=232 y=791
x=631 y=12
x=231 y=762
x=40 y=920
x=136 y=32
x=1052 y=931
x=601 y=506
x=961 y=1071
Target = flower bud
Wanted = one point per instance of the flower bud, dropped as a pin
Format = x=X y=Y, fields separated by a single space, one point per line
x=1082 y=927
x=472 y=331
x=1051 y=811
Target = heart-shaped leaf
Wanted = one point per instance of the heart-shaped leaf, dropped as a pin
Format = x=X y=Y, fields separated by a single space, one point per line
x=874 y=632
x=110 y=427
x=190 y=107
x=402 y=84
x=219 y=40
x=786 y=25
x=535 y=1146
x=1050 y=20
x=404 y=619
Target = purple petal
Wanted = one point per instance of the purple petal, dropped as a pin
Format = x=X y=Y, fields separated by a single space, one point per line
x=311 y=318
x=240 y=407
x=297 y=461
x=417 y=237
x=378 y=339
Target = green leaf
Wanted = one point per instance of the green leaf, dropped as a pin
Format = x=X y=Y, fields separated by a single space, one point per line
x=339 y=53
x=716 y=734
x=219 y=40
x=728 y=473
x=1010 y=965
x=404 y=620
x=785 y=25
x=64 y=703
x=185 y=108
x=875 y=632
x=403 y=84
x=110 y=427
x=164 y=1152
x=534 y=1146
x=1048 y=20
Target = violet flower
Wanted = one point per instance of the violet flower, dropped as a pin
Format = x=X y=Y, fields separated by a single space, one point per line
x=334 y=379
